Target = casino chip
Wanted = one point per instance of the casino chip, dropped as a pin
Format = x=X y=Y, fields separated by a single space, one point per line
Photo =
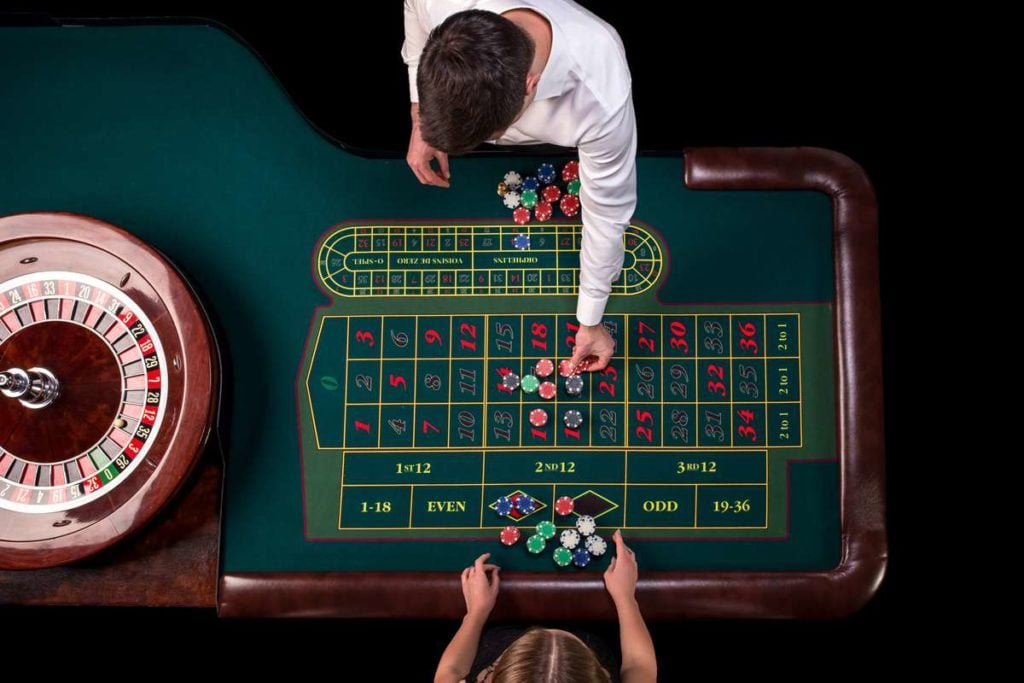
x=573 y=419
x=547 y=390
x=538 y=417
x=510 y=535
x=563 y=368
x=530 y=183
x=570 y=538
x=544 y=211
x=586 y=525
x=502 y=189
x=571 y=171
x=545 y=174
x=563 y=556
x=580 y=557
x=596 y=545
x=530 y=383
x=564 y=506
x=551 y=193
x=570 y=205
x=521 y=242
x=574 y=385
x=521 y=215
x=503 y=506
x=529 y=198
x=513 y=180
x=544 y=367
x=511 y=199
x=525 y=504
x=546 y=530
x=510 y=381
x=573 y=187
x=535 y=544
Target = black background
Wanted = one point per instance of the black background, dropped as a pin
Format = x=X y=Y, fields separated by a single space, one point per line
x=701 y=77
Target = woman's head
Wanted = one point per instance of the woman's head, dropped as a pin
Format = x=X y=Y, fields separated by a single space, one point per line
x=548 y=656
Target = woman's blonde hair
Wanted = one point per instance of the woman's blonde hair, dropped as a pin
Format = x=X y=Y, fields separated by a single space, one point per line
x=543 y=656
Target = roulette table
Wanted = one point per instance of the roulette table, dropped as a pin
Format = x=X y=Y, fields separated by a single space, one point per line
x=296 y=403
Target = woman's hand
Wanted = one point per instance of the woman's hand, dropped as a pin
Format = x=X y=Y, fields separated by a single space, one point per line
x=480 y=586
x=620 y=577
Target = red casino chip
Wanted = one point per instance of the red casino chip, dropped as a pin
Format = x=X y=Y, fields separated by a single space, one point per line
x=510 y=535
x=547 y=390
x=538 y=417
x=544 y=367
x=551 y=193
x=563 y=367
x=570 y=205
x=571 y=171
x=522 y=214
x=564 y=506
x=544 y=211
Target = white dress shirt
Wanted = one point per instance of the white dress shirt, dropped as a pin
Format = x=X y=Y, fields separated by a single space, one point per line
x=583 y=100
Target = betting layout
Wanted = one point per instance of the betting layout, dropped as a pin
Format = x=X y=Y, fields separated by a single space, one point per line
x=410 y=425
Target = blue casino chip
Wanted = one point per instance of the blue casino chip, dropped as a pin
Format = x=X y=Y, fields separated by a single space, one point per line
x=521 y=242
x=524 y=504
x=580 y=557
x=503 y=506
x=546 y=173
x=531 y=183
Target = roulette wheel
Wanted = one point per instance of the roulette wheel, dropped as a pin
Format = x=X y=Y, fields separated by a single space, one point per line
x=109 y=380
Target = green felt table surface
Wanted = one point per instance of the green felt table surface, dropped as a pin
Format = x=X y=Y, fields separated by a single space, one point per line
x=180 y=135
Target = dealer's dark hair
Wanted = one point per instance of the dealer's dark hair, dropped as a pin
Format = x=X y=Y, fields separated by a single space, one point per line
x=471 y=79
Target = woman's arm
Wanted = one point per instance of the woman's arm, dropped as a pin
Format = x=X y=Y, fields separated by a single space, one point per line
x=639 y=664
x=480 y=592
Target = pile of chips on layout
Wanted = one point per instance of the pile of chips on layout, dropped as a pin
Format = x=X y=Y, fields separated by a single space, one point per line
x=536 y=196
x=543 y=382
x=576 y=546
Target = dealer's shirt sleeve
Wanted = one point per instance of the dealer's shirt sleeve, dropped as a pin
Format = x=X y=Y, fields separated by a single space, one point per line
x=417 y=28
x=608 y=196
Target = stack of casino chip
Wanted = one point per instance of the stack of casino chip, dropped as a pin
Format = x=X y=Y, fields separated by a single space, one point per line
x=564 y=371
x=574 y=385
x=547 y=390
x=573 y=419
x=538 y=195
x=577 y=545
x=531 y=382
x=511 y=381
x=510 y=535
x=538 y=417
